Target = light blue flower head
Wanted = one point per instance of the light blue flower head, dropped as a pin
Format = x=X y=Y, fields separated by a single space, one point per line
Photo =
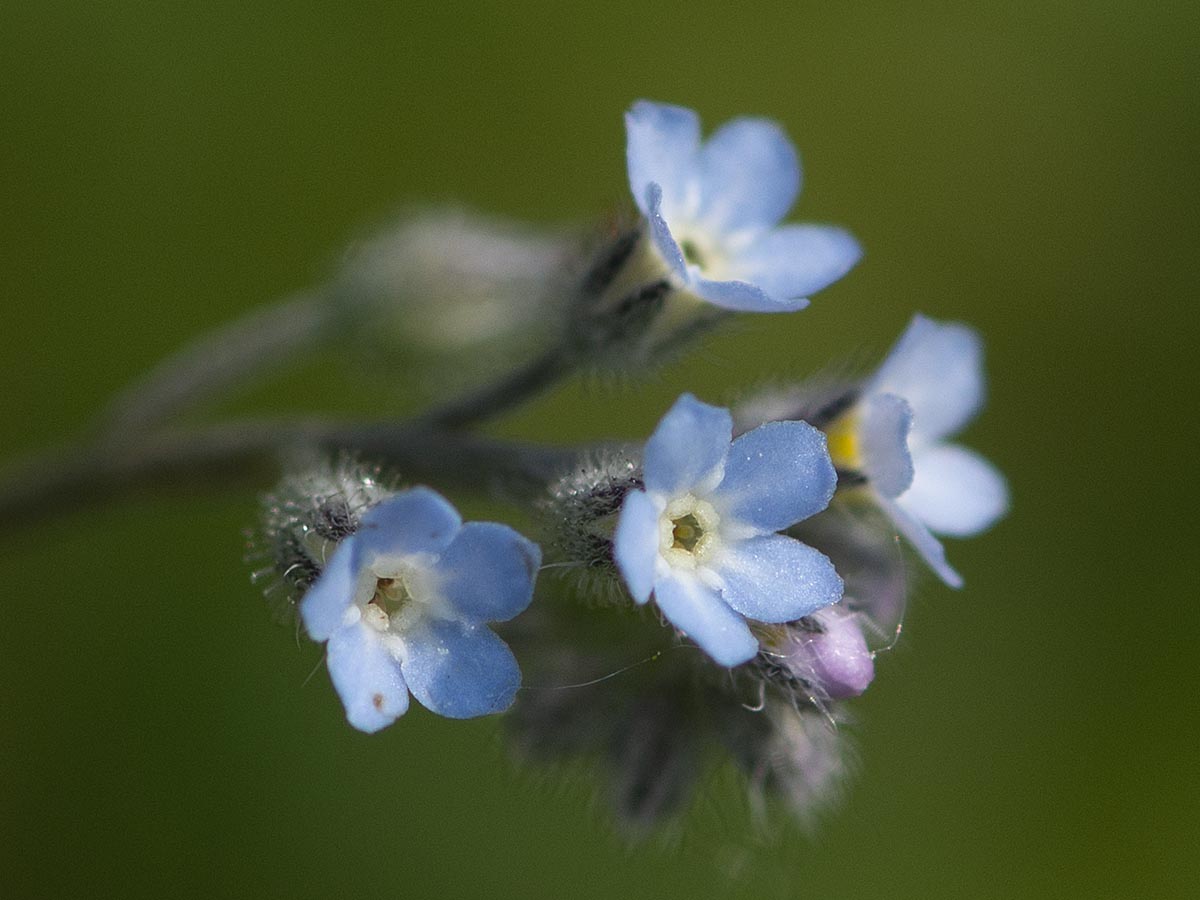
x=714 y=210
x=927 y=389
x=403 y=605
x=701 y=538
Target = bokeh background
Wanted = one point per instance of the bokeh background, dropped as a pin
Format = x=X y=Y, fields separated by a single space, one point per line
x=1029 y=167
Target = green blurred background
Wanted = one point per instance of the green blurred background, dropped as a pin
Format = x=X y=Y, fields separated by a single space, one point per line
x=1026 y=166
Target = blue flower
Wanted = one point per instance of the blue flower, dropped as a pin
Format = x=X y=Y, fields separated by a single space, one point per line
x=402 y=605
x=701 y=537
x=714 y=210
x=927 y=389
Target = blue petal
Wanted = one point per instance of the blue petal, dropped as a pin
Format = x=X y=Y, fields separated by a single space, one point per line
x=776 y=475
x=661 y=145
x=323 y=609
x=419 y=520
x=749 y=176
x=660 y=232
x=687 y=450
x=635 y=544
x=460 y=670
x=774 y=578
x=794 y=261
x=922 y=540
x=955 y=491
x=883 y=433
x=938 y=369
x=697 y=611
x=741 y=296
x=367 y=678
x=487 y=573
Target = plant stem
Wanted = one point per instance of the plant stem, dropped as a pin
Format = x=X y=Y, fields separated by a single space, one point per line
x=520 y=385
x=250 y=452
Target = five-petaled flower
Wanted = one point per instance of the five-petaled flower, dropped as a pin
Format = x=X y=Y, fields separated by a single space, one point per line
x=714 y=210
x=928 y=388
x=701 y=538
x=403 y=604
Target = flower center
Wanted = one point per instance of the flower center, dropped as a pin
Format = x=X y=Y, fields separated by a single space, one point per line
x=692 y=253
x=391 y=603
x=688 y=531
x=405 y=592
x=391 y=594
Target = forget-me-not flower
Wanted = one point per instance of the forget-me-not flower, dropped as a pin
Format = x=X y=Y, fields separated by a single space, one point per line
x=714 y=210
x=927 y=389
x=403 y=604
x=701 y=538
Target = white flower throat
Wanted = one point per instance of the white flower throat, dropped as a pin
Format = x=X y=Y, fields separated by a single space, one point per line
x=400 y=596
x=391 y=594
x=688 y=531
x=704 y=253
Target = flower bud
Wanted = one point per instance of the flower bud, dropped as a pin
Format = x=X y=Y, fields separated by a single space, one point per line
x=441 y=298
x=826 y=652
x=304 y=519
x=629 y=312
x=580 y=510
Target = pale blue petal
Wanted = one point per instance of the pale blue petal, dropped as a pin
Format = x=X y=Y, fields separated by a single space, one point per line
x=687 y=448
x=922 y=540
x=488 y=572
x=323 y=608
x=742 y=296
x=661 y=146
x=955 y=491
x=749 y=176
x=367 y=678
x=774 y=578
x=883 y=433
x=776 y=475
x=660 y=232
x=635 y=544
x=459 y=670
x=938 y=369
x=418 y=520
x=698 y=611
x=794 y=261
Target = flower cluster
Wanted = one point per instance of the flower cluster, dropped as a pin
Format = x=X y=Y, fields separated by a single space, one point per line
x=721 y=586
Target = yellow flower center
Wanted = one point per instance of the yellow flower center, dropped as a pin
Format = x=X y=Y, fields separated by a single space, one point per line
x=688 y=531
x=845 y=448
